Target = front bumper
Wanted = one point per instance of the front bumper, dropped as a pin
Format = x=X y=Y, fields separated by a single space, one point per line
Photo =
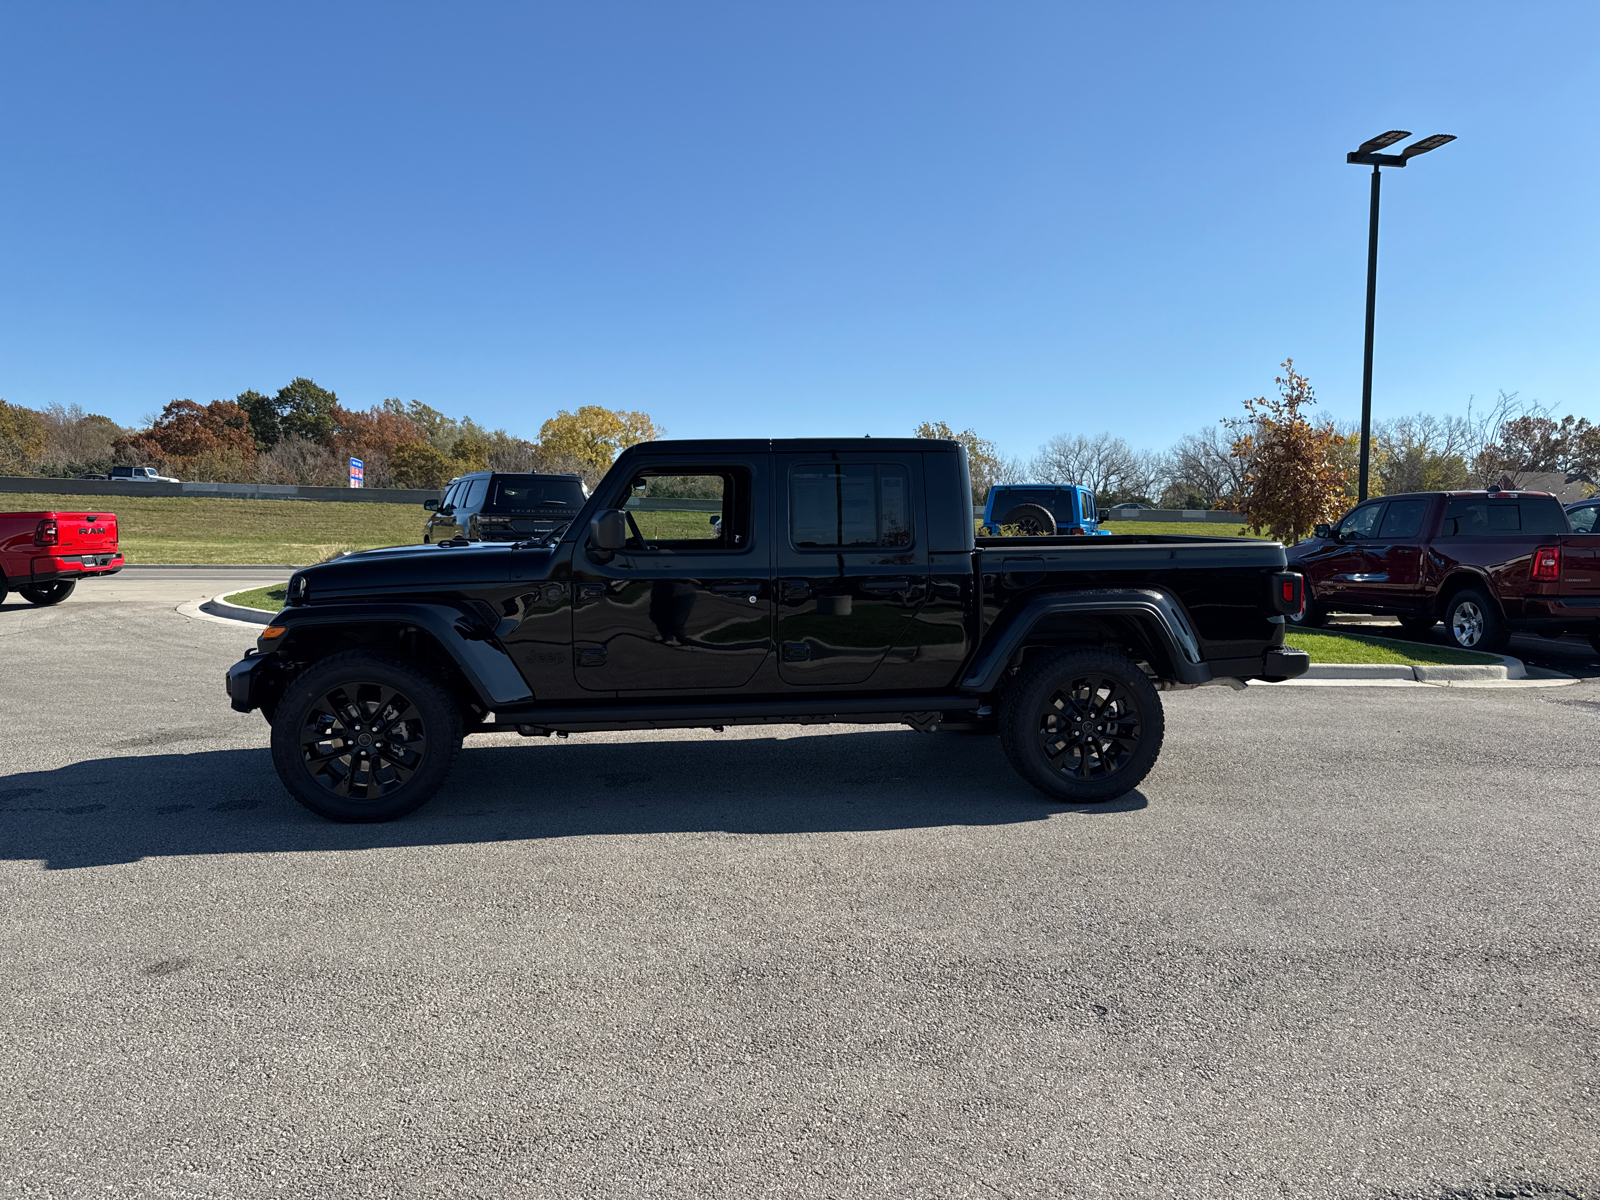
x=242 y=682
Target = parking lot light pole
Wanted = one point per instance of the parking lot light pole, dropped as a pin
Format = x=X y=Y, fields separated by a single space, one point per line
x=1367 y=154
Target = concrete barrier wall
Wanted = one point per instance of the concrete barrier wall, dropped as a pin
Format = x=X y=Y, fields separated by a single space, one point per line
x=1204 y=515
x=229 y=491
x=1181 y=514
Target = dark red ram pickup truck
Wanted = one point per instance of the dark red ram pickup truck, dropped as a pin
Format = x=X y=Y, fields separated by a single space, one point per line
x=44 y=554
x=1485 y=563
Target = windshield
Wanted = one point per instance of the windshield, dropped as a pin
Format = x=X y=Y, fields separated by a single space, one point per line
x=533 y=493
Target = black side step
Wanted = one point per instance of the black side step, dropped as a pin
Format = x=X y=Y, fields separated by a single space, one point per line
x=870 y=710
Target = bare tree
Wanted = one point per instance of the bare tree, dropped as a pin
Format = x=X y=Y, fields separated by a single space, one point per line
x=1103 y=464
x=1202 y=467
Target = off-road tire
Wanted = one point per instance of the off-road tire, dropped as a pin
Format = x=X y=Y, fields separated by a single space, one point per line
x=1033 y=519
x=411 y=724
x=46 y=594
x=1096 y=710
x=1418 y=628
x=4 y=588
x=1472 y=622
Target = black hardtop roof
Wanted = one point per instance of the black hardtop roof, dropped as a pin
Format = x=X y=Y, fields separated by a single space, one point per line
x=792 y=446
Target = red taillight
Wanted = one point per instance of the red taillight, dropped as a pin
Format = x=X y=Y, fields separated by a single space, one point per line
x=1547 y=564
x=1077 y=530
x=47 y=534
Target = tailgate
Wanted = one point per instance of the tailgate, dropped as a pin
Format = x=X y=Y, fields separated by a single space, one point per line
x=1580 y=566
x=86 y=533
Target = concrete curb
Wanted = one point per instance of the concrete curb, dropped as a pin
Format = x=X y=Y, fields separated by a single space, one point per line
x=1508 y=668
x=237 y=612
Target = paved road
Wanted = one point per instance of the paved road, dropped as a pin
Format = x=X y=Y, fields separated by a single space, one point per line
x=1341 y=944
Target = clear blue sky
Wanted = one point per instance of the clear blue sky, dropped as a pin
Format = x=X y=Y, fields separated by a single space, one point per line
x=763 y=219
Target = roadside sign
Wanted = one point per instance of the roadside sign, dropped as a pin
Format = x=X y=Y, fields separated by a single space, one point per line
x=357 y=472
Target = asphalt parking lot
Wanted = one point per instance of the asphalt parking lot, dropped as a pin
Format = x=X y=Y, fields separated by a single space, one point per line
x=1342 y=943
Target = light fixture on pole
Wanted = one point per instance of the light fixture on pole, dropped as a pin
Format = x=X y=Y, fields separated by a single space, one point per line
x=1367 y=154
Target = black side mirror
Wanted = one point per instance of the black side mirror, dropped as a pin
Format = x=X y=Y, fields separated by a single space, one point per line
x=431 y=505
x=608 y=533
x=1322 y=531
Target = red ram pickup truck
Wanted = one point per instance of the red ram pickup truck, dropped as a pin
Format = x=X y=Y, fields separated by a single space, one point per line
x=1485 y=563
x=44 y=554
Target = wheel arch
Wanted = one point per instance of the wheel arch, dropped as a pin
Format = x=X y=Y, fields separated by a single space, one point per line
x=1459 y=581
x=456 y=646
x=1146 y=620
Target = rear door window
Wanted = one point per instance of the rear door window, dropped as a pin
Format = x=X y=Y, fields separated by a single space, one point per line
x=1402 y=520
x=849 y=504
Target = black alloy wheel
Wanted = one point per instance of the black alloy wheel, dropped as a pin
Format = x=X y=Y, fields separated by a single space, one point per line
x=364 y=737
x=45 y=594
x=1083 y=726
x=1034 y=520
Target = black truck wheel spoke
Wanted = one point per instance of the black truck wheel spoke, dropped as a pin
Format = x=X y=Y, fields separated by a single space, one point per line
x=1089 y=728
x=362 y=741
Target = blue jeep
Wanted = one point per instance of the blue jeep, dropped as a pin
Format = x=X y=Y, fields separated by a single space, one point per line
x=1042 y=510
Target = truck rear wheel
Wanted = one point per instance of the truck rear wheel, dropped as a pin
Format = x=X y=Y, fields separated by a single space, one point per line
x=1082 y=726
x=1472 y=622
x=364 y=737
x=45 y=594
x=1033 y=519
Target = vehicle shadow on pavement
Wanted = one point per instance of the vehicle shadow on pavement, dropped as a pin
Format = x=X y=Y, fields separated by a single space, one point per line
x=118 y=810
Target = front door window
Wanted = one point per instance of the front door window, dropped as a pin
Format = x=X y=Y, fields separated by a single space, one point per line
x=686 y=604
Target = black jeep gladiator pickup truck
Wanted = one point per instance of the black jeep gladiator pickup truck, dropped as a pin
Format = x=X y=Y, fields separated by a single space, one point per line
x=839 y=582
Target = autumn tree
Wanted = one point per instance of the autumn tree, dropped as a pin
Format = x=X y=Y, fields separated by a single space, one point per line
x=187 y=430
x=23 y=438
x=1295 y=479
x=419 y=465
x=263 y=413
x=594 y=436
x=983 y=458
x=306 y=410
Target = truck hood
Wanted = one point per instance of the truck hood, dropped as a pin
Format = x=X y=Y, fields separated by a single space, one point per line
x=413 y=568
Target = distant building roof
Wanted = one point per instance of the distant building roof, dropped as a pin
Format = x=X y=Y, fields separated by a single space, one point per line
x=1567 y=488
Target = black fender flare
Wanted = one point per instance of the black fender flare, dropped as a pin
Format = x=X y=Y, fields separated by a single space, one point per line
x=1159 y=613
x=462 y=634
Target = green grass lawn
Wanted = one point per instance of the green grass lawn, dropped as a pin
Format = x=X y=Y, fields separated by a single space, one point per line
x=206 y=529
x=1358 y=648
x=269 y=598
x=1185 y=528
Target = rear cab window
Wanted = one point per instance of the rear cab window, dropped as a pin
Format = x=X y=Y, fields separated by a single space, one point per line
x=1490 y=516
x=532 y=494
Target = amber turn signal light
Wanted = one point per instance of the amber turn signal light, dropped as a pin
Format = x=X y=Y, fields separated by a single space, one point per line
x=273 y=631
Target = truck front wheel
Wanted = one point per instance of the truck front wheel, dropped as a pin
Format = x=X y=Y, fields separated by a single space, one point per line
x=364 y=737
x=1082 y=726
